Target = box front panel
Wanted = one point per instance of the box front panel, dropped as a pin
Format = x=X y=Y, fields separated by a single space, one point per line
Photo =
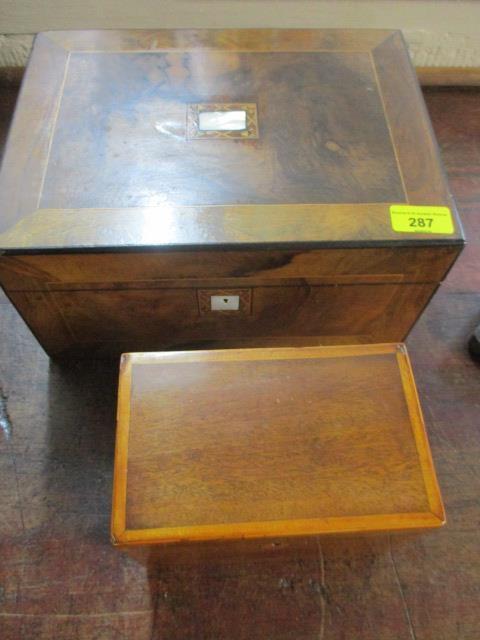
x=114 y=302
x=154 y=319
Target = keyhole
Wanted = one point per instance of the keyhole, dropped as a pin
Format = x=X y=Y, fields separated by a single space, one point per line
x=225 y=303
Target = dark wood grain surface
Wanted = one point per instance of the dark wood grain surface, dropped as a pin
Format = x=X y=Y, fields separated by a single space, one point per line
x=110 y=200
x=102 y=323
x=100 y=156
x=108 y=304
x=61 y=578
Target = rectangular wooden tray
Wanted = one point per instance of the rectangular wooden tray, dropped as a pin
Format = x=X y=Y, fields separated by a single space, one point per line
x=251 y=443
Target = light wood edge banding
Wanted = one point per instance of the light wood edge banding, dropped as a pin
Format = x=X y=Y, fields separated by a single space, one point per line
x=119 y=498
x=239 y=355
x=432 y=488
x=283 y=528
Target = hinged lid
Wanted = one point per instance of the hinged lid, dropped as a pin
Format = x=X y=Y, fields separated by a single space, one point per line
x=265 y=442
x=220 y=137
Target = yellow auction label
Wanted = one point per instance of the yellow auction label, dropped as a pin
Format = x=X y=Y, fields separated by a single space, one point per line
x=407 y=218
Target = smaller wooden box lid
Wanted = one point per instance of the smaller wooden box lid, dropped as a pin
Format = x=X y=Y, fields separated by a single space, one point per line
x=266 y=442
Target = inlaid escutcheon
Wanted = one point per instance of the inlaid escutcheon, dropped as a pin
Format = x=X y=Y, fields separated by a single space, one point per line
x=222 y=120
x=209 y=301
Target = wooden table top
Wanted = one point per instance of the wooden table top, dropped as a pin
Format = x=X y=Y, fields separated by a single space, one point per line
x=265 y=442
x=107 y=150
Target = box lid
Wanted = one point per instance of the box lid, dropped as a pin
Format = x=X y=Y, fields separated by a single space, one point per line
x=265 y=442
x=219 y=137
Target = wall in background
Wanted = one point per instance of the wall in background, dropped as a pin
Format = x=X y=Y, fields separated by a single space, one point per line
x=441 y=33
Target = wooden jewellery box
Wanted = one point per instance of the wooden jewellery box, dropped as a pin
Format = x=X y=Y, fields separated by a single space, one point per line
x=179 y=189
x=300 y=441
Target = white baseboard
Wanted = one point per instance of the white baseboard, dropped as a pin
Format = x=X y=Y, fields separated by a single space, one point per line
x=14 y=50
x=451 y=39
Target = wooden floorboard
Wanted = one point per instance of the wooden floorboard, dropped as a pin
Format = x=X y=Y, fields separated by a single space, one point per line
x=60 y=578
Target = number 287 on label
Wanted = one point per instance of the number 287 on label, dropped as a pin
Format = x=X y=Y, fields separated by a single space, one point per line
x=421 y=219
